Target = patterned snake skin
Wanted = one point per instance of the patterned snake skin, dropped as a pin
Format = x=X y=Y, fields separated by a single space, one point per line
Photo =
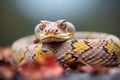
x=92 y=47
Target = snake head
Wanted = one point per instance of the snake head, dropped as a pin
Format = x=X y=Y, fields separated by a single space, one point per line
x=61 y=30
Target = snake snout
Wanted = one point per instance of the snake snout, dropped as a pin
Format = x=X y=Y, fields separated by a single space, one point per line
x=49 y=31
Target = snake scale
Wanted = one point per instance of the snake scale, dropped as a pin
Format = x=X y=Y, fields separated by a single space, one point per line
x=59 y=38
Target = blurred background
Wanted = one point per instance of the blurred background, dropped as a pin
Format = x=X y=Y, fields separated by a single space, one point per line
x=19 y=17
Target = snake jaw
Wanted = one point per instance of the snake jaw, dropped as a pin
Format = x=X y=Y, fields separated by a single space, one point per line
x=53 y=37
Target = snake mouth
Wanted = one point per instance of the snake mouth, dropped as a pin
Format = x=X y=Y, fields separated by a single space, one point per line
x=52 y=37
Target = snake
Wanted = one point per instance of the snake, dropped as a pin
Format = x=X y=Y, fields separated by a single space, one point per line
x=62 y=40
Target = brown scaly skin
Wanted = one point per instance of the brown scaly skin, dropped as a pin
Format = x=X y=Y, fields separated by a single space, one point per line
x=61 y=39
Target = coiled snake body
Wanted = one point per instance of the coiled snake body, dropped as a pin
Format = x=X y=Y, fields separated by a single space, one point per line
x=61 y=39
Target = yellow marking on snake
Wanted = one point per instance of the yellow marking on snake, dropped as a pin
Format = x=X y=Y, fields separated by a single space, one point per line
x=22 y=53
x=39 y=47
x=16 y=57
x=69 y=57
x=39 y=54
x=38 y=34
x=110 y=45
x=80 y=45
x=37 y=50
x=117 y=50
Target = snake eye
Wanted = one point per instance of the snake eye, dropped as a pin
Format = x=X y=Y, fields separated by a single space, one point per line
x=63 y=25
x=42 y=26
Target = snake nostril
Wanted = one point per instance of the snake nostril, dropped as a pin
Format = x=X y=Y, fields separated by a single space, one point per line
x=56 y=30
